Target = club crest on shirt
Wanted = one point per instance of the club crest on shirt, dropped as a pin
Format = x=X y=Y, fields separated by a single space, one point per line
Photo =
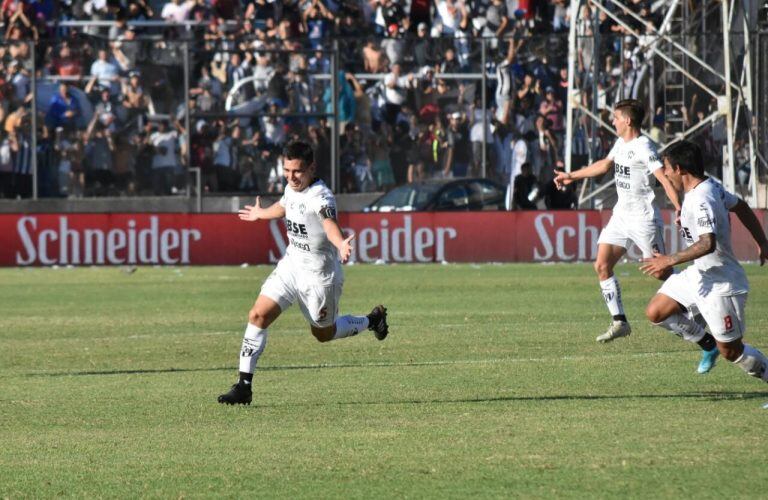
x=328 y=212
x=302 y=208
x=630 y=154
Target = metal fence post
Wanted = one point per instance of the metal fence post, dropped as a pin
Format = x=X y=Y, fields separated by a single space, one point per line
x=33 y=122
x=484 y=98
x=335 y=174
x=187 y=120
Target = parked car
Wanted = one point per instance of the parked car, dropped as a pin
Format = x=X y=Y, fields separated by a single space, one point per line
x=442 y=195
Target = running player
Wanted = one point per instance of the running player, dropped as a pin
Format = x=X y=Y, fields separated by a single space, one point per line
x=635 y=217
x=309 y=273
x=715 y=283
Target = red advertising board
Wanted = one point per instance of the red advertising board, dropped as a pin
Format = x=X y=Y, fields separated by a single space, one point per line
x=180 y=239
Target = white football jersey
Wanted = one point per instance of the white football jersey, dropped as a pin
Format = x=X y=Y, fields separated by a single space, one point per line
x=706 y=210
x=633 y=164
x=309 y=250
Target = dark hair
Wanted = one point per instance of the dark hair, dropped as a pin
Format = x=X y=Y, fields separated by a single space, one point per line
x=634 y=109
x=299 y=150
x=687 y=156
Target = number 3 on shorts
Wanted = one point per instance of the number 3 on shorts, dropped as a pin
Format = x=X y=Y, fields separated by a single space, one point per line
x=728 y=323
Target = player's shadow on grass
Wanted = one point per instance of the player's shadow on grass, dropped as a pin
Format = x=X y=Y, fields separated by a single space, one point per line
x=704 y=395
x=708 y=396
x=324 y=366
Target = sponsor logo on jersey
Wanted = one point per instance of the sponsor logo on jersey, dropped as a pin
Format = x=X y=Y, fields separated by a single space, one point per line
x=296 y=229
x=704 y=221
x=621 y=170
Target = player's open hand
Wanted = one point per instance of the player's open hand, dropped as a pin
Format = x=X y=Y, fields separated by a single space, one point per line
x=250 y=212
x=656 y=266
x=345 y=252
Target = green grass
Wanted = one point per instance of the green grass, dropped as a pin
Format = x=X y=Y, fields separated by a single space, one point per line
x=490 y=385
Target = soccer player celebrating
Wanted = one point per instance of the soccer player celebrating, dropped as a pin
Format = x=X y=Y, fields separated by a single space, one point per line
x=635 y=217
x=309 y=273
x=715 y=283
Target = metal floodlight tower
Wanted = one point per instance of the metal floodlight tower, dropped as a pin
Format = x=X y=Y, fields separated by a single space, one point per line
x=682 y=52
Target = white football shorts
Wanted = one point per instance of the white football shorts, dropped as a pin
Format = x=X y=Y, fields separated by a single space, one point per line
x=646 y=233
x=724 y=314
x=318 y=303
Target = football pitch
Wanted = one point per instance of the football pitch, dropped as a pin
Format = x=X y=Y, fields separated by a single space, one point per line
x=490 y=385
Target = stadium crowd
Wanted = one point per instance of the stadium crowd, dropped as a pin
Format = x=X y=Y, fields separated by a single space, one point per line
x=112 y=116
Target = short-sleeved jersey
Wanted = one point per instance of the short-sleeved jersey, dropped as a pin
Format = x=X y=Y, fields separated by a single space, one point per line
x=633 y=163
x=309 y=251
x=706 y=210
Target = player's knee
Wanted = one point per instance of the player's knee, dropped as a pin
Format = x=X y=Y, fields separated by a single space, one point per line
x=603 y=269
x=255 y=317
x=653 y=313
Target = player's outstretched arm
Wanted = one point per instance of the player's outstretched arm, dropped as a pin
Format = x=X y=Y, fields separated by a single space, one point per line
x=255 y=212
x=597 y=168
x=336 y=237
x=749 y=220
x=672 y=193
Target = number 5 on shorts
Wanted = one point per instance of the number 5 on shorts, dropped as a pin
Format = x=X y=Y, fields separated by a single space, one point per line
x=324 y=312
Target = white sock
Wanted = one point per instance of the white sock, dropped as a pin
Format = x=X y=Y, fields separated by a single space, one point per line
x=254 y=341
x=612 y=295
x=683 y=326
x=347 y=326
x=753 y=362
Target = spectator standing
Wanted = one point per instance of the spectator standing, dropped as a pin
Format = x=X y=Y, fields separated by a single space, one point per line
x=381 y=165
x=459 y=148
x=6 y=167
x=395 y=93
x=525 y=189
x=225 y=158
x=125 y=163
x=65 y=64
x=164 y=158
x=106 y=72
x=496 y=22
x=273 y=126
x=99 y=147
x=449 y=13
x=63 y=109
x=476 y=137
x=552 y=109
x=544 y=151
x=423 y=47
x=373 y=58
x=19 y=79
x=21 y=149
x=177 y=11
